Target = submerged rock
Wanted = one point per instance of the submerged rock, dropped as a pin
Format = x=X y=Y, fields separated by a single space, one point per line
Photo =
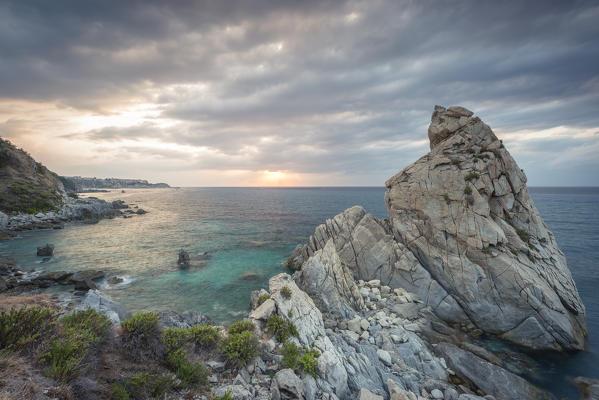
x=45 y=251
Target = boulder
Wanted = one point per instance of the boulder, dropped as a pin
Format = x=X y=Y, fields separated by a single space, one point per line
x=488 y=377
x=104 y=305
x=45 y=251
x=237 y=392
x=264 y=310
x=141 y=211
x=119 y=205
x=366 y=394
x=84 y=280
x=289 y=384
x=185 y=319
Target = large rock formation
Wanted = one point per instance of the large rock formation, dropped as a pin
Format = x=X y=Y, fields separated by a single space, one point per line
x=464 y=235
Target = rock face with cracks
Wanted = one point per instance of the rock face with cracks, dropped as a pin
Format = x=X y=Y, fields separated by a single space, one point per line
x=464 y=235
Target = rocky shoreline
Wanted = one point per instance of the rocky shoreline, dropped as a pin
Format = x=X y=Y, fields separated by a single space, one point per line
x=89 y=210
x=384 y=309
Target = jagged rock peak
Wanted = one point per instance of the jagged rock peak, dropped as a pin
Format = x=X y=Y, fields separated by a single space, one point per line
x=446 y=121
x=464 y=211
x=464 y=235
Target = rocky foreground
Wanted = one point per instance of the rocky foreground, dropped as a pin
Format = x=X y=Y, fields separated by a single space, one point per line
x=383 y=309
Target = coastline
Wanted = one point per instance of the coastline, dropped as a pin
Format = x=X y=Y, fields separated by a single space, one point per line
x=375 y=306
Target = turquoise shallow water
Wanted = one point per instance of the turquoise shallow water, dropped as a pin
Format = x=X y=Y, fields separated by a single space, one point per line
x=250 y=232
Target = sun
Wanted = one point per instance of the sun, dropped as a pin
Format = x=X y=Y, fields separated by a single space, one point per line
x=274 y=178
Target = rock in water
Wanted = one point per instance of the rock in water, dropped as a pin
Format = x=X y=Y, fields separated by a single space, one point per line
x=464 y=235
x=464 y=211
x=45 y=251
x=184 y=259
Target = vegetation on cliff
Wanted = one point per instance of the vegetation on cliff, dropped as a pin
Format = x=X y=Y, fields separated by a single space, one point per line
x=26 y=185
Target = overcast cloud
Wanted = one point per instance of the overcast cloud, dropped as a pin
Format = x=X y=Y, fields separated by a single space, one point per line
x=295 y=92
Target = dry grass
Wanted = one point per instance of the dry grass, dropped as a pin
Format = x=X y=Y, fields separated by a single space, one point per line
x=20 y=301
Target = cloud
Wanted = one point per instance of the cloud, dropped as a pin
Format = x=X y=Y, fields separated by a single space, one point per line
x=318 y=88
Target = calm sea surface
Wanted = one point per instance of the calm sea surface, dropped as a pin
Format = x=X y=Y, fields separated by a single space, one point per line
x=250 y=232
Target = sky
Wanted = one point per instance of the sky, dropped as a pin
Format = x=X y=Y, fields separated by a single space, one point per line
x=295 y=93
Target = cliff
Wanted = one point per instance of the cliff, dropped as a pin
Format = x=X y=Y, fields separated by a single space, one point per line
x=25 y=184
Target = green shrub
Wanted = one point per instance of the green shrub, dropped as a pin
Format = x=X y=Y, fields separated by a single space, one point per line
x=64 y=357
x=119 y=392
x=88 y=325
x=27 y=327
x=205 y=336
x=262 y=298
x=523 y=235
x=141 y=323
x=303 y=360
x=143 y=386
x=141 y=337
x=174 y=338
x=456 y=162
x=189 y=373
x=486 y=250
x=447 y=199
x=226 y=396
x=308 y=362
x=282 y=328
x=240 y=348
x=468 y=190
x=240 y=326
x=286 y=292
x=291 y=354
x=471 y=176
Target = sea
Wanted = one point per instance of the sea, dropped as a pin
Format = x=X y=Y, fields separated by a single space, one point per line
x=248 y=233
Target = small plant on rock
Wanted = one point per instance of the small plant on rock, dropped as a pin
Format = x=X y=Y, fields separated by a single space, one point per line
x=302 y=360
x=308 y=362
x=286 y=292
x=282 y=328
x=291 y=354
x=447 y=199
x=262 y=298
x=523 y=235
x=467 y=190
x=471 y=176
